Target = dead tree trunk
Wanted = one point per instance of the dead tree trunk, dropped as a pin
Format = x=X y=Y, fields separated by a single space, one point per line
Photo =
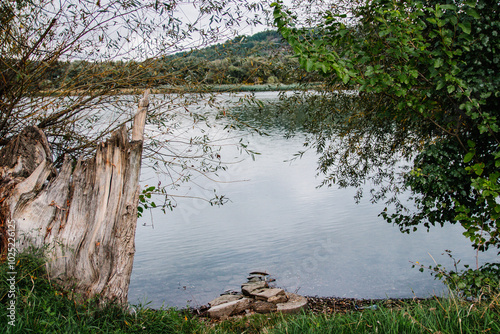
x=85 y=214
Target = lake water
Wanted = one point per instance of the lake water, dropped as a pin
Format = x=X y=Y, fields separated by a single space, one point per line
x=313 y=241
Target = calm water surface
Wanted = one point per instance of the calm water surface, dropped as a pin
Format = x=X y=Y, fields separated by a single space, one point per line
x=314 y=241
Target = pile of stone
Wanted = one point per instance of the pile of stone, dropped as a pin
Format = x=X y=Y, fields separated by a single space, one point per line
x=256 y=296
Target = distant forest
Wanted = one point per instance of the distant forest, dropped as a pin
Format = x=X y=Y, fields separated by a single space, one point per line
x=258 y=59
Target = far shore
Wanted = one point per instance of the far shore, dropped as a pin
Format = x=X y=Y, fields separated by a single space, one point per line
x=202 y=88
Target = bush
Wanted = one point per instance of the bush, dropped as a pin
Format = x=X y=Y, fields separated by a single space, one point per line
x=478 y=284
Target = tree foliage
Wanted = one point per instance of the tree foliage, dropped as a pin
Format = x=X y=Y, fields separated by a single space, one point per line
x=63 y=63
x=82 y=49
x=430 y=71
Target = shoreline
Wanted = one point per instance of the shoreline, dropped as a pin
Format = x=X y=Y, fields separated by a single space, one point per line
x=202 y=88
x=334 y=305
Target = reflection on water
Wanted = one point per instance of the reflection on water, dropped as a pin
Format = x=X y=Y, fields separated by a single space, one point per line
x=314 y=241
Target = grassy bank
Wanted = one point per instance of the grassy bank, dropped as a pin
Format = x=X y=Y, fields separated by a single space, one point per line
x=43 y=308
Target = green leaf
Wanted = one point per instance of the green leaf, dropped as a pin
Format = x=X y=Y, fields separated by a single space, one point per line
x=309 y=65
x=471 y=3
x=369 y=71
x=450 y=7
x=466 y=27
x=323 y=68
x=438 y=62
x=468 y=157
x=440 y=85
x=478 y=168
x=472 y=12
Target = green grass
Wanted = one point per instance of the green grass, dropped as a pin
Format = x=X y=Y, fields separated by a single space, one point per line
x=43 y=308
x=429 y=316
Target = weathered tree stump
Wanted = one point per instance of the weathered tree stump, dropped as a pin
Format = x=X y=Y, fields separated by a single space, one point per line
x=84 y=214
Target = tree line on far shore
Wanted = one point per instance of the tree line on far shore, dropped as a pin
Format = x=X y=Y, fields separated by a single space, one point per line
x=258 y=59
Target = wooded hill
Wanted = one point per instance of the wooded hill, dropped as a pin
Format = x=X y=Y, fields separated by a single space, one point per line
x=262 y=44
x=261 y=58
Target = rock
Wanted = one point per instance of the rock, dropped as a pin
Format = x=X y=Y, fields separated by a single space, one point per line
x=258 y=297
x=252 y=279
x=271 y=295
x=242 y=305
x=250 y=288
x=222 y=310
x=294 y=304
x=262 y=273
x=224 y=299
x=278 y=299
x=227 y=309
x=261 y=306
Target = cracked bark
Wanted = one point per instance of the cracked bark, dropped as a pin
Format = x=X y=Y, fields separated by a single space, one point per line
x=85 y=215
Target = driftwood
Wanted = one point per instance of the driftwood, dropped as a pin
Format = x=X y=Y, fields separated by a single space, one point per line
x=85 y=215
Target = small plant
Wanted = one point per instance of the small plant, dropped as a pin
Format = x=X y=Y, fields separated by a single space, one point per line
x=475 y=284
x=145 y=201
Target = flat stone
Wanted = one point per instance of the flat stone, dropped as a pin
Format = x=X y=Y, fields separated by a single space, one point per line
x=262 y=273
x=278 y=299
x=227 y=309
x=294 y=304
x=255 y=279
x=224 y=299
x=266 y=294
x=243 y=305
x=249 y=288
x=222 y=310
x=261 y=306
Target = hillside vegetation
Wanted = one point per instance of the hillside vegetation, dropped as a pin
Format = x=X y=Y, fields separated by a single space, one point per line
x=263 y=58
